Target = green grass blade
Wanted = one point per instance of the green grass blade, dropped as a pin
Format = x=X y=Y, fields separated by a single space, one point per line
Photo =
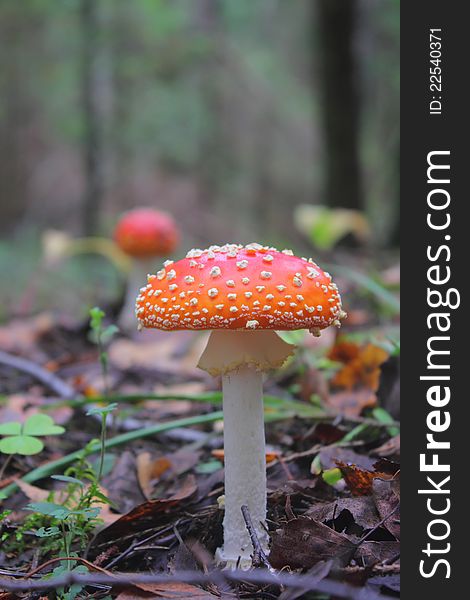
x=56 y=465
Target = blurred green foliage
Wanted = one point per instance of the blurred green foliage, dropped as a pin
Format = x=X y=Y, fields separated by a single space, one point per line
x=211 y=110
x=227 y=87
x=71 y=287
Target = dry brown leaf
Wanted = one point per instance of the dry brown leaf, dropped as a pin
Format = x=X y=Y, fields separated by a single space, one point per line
x=386 y=496
x=181 y=461
x=352 y=402
x=371 y=553
x=122 y=483
x=146 y=514
x=362 y=508
x=149 y=469
x=169 y=591
x=303 y=542
x=21 y=335
x=177 y=590
x=37 y=494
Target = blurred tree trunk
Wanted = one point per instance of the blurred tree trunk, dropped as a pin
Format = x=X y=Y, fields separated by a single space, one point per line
x=336 y=26
x=122 y=37
x=93 y=138
x=16 y=116
x=208 y=19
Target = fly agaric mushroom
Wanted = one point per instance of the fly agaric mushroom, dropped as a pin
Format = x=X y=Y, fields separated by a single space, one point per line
x=242 y=294
x=143 y=234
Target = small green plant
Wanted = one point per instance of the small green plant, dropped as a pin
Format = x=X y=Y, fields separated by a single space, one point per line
x=67 y=522
x=101 y=336
x=66 y=525
x=71 y=522
x=62 y=520
x=15 y=538
x=103 y=412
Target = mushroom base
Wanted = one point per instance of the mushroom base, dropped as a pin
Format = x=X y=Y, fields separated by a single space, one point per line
x=228 y=561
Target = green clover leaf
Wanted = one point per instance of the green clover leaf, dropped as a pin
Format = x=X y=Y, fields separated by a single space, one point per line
x=25 y=445
x=13 y=428
x=41 y=425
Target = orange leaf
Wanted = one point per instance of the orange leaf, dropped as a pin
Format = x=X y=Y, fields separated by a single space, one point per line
x=91 y=392
x=359 y=481
x=344 y=352
x=363 y=370
x=270 y=456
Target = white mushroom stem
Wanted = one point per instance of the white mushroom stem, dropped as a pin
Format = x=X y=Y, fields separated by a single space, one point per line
x=245 y=462
x=127 y=321
x=241 y=357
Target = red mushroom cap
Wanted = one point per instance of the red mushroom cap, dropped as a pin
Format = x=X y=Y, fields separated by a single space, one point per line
x=144 y=233
x=245 y=288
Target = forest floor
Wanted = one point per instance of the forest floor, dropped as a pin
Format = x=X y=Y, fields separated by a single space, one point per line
x=333 y=465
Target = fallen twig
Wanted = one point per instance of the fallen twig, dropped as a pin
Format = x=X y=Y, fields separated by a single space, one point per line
x=52 y=561
x=259 y=576
x=54 y=383
x=137 y=545
x=259 y=556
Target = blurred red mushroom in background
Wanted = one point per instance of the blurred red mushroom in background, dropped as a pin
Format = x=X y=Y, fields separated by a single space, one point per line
x=143 y=234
